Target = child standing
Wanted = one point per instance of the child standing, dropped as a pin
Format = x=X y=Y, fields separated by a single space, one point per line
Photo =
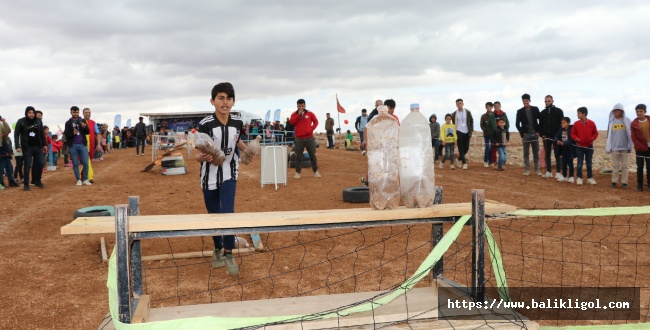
x=448 y=137
x=619 y=143
x=641 y=138
x=56 y=147
x=567 y=149
x=584 y=132
x=348 y=139
x=500 y=139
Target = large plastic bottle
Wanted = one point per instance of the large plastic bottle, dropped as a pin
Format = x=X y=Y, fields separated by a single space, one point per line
x=252 y=149
x=383 y=160
x=416 y=171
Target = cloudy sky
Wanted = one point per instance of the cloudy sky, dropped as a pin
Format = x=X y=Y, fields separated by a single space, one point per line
x=128 y=57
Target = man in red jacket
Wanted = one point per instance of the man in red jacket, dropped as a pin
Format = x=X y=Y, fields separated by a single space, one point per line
x=641 y=138
x=304 y=123
x=584 y=132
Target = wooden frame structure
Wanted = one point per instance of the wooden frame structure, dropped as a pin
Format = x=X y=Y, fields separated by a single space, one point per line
x=130 y=228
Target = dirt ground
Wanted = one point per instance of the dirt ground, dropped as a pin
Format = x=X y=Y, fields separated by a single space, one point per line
x=50 y=281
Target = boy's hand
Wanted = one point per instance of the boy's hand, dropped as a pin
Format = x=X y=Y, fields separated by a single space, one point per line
x=203 y=158
x=559 y=142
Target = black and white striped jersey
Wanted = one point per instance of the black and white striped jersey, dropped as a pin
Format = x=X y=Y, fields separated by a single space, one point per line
x=225 y=138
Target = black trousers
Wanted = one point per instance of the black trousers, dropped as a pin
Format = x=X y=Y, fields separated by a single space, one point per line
x=139 y=142
x=33 y=159
x=463 y=146
x=310 y=145
x=642 y=157
x=548 y=144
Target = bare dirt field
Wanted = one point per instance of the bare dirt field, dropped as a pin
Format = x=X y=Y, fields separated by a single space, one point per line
x=50 y=281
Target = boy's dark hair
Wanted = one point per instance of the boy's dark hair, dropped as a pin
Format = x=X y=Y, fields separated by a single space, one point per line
x=489 y=104
x=458 y=100
x=38 y=111
x=45 y=127
x=364 y=110
x=300 y=101
x=501 y=119
x=224 y=87
x=327 y=113
x=641 y=106
x=567 y=120
x=73 y=108
x=54 y=136
x=497 y=102
x=583 y=110
x=447 y=115
x=29 y=108
x=390 y=103
x=525 y=97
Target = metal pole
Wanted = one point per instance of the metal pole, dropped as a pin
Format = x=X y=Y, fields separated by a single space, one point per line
x=136 y=251
x=478 y=244
x=122 y=258
x=437 y=233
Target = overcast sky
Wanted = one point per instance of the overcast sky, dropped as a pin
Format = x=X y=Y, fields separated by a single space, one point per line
x=128 y=57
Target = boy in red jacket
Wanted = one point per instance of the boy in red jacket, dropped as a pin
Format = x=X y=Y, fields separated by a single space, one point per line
x=584 y=133
x=304 y=123
x=641 y=138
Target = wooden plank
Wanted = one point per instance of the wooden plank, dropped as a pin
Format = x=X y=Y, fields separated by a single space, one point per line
x=187 y=255
x=102 y=247
x=142 y=310
x=146 y=223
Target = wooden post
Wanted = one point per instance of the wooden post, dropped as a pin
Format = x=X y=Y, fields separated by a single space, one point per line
x=478 y=245
x=122 y=258
x=136 y=251
x=436 y=233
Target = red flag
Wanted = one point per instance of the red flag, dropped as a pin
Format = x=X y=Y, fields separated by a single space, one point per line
x=338 y=105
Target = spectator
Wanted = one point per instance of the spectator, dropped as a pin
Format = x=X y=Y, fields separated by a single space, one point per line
x=329 y=128
x=288 y=128
x=567 y=147
x=140 y=134
x=348 y=139
x=305 y=123
x=29 y=138
x=584 y=132
x=498 y=113
x=76 y=133
x=360 y=125
x=6 y=168
x=434 y=126
x=619 y=144
x=56 y=148
x=116 y=138
x=448 y=137
x=487 y=129
x=91 y=144
x=528 y=126
x=464 y=122
x=549 y=123
x=374 y=111
x=641 y=138
x=500 y=139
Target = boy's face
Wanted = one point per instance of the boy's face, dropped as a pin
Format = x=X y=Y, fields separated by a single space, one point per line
x=391 y=110
x=47 y=131
x=222 y=103
x=448 y=120
x=565 y=125
x=640 y=113
x=460 y=105
x=497 y=106
x=618 y=113
x=501 y=123
x=526 y=103
x=488 y=108
x=581 y=115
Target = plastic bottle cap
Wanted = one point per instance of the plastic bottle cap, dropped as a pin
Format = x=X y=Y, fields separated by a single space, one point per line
x=415 y=107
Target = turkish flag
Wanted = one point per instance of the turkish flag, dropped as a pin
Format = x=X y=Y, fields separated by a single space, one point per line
x=338 y=105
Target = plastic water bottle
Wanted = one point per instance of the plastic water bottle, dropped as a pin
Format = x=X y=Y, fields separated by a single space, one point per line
x=252 y=149
x=416 y=171
x=383 y=160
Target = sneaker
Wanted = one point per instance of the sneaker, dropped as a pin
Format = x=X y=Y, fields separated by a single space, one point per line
x=639 y=189
x=297 y=176
x=91 y=181
x=579 y=182
x=538 y=173
x=78 y=182
x=363 y=181
x=452 y=167
x=548 y=175
x=558 y=176
x=561 y=179
x=442 y=165
x=40 y=185
x=494 y=166
x=142 y=154
x=500 y=169
x=13 y=184
x=526 y=172
x=464 y=166
x=486 y=164
x=137 y=155
x=27 y=188
x=316 y=174
x=591 y=181
x=569 y=180
x=613 y=184
x=217 y=258
x=624 y=186
x=87 y=183
x=231 y=264
x=363 y=152
x=68 y=165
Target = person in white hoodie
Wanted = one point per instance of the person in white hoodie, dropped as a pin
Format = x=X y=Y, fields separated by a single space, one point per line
x=619 y=143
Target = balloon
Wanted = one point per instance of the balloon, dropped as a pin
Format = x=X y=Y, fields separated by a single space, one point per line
x=345 y=121
x=193 y=130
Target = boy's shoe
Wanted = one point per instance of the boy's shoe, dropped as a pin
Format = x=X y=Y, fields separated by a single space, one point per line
x=639 y=189
x=316 y=174
x=363 y=181
x=561 y=179
x=453 y=167
x=217 y=258
x=2 y=187
x=27 y=188
x=442 y=165
x=538 y=173
x=231 y=264
x=613 y=184
x=579 y=182
x=68 y=165
x=570 y=180
x=91 y=181
x=558 y=176
x=137 y=155
x=548 y=175
x=591 y=181
x=624 y=186
x=363 y=152
x=458 y=163
x=494 y=166
x=142 y=154
x=40 y=185
x=464 y=166
x=13 y=184
x=87 y=183
x=526 y=172
x=78 y=182
x=297 y=176
x=500 y=169
x=485 y=164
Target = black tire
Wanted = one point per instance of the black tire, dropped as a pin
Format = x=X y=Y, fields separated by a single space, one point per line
x=305 y=164
x=305 y=157
x=94 y=211
x=359 y=194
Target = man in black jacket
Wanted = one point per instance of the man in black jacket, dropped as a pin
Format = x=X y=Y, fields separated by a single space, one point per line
x=550 y=123
x=75 y=133
x=29 y=138
x=528 y=126
x=140 y=134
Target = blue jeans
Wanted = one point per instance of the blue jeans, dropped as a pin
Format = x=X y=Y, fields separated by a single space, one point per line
x=449 y=153
x=585 y=154
x=503 y=156
x=222 y=200
x=6 y=168
x=488 y=150
x=79 y=152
